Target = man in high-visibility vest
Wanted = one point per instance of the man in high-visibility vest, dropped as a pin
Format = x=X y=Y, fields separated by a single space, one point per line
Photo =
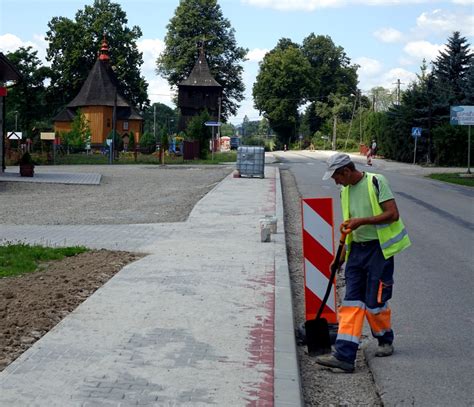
x=377 y=233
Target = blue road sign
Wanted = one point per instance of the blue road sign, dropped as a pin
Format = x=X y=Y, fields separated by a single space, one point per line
x=416 y=132
x=212 y=124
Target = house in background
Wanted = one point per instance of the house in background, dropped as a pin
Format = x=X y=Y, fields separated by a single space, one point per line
x=199 y=92
x=8 y=72
x=97 y=100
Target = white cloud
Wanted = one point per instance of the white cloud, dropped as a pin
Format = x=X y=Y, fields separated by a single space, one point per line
x=390 y=78
x=311 y=5
x=160 y=91
x=158 y=88
x=151 y=49
x=256 y=54
x=463 y=2
x=10 y=43
x=372 y=74
x=388 y=35
x=444 y=21
x=423 y=49
x=368 y=66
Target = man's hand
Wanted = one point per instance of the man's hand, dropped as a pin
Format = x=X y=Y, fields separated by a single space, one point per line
x=353 y=223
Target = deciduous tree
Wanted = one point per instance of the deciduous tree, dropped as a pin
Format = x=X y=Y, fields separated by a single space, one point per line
x=74 y=45
x=202 y=21
x=27 y=105
x=281 y=87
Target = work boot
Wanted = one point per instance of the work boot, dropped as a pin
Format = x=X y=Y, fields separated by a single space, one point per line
x=384 y=349
x=332 y=361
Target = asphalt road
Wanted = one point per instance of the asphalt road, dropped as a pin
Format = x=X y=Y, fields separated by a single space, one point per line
x=433 y=301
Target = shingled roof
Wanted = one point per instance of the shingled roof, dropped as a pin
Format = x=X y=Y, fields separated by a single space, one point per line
x=8 y=71
x=99 y=89
x=201 y=74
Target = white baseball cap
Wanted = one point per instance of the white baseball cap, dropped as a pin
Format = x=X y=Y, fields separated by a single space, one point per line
x=335 y=162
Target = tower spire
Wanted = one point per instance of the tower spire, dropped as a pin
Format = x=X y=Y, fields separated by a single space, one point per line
x=104 y=50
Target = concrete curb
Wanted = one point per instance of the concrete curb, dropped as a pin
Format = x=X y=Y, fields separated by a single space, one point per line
x=287 y=383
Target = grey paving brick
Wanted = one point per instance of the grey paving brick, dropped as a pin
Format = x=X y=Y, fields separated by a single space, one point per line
x=177 y=327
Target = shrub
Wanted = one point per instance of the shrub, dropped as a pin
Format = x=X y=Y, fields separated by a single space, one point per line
x=26 y=159
x=147 y=143
x=196 y=130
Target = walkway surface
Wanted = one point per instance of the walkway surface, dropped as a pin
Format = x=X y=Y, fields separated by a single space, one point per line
x=205 y=318
x=44 y=176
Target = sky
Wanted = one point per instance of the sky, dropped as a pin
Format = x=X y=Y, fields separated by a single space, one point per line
x=388 y=39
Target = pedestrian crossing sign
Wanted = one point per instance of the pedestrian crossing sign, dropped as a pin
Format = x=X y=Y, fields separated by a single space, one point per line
x=416 y=131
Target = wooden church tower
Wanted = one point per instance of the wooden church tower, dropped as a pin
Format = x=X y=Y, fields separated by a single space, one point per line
x=97 y=100
x=199 y=92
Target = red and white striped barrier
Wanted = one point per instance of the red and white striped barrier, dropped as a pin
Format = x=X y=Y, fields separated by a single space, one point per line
x=318 y=252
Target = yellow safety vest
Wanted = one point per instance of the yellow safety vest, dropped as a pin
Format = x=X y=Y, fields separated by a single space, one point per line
x=393 y=237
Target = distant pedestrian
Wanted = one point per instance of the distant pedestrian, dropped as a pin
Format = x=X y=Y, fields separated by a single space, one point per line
x=373 y=147
x=376 y=234
x=369 y=156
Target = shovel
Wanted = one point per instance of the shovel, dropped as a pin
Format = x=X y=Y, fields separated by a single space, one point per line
x=317 y=329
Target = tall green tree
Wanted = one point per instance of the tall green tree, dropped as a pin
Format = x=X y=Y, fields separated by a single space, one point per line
x=202 y=21
x=331 y=73
x=281 y=88
x=335 y=108
x=161 y=116
x=451 y=69
x=74 y=45
x=470 y=84
x=382 y=98
x=27 y=107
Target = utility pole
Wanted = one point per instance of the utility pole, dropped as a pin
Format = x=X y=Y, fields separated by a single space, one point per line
x=154 y=124
x=114 y=130
x=398 y=83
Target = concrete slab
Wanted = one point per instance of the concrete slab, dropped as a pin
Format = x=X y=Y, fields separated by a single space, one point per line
x=13 y=175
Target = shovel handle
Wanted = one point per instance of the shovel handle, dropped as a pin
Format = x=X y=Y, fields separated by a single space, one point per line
x=344 y=232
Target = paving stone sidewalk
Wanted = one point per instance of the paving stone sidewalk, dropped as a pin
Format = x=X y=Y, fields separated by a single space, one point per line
x=205 y=318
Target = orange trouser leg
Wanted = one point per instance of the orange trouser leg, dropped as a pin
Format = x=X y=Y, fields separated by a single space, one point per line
x=351 y=321
x=380 y=322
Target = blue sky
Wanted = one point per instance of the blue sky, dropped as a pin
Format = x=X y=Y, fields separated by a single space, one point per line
x=387 y=38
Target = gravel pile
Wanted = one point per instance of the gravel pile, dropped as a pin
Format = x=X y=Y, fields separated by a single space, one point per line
x=127 y=194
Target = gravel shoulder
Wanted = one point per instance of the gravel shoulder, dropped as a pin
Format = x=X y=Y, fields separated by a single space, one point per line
x=321 y=387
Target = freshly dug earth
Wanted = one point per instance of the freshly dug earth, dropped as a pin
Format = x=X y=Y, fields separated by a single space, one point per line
x=33 y=303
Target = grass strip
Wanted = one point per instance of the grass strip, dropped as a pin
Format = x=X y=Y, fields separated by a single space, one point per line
x=20 y=258
x=453 y=178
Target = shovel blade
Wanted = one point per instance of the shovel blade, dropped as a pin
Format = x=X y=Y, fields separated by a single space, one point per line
x=317 y=337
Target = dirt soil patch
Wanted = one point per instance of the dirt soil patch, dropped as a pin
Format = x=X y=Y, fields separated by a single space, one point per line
x=33 y=303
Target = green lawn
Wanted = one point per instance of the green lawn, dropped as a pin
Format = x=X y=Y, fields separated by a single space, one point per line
x=16 y=259
x=453 y=178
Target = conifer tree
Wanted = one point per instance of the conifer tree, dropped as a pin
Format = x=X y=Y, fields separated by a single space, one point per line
x=451 y=70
